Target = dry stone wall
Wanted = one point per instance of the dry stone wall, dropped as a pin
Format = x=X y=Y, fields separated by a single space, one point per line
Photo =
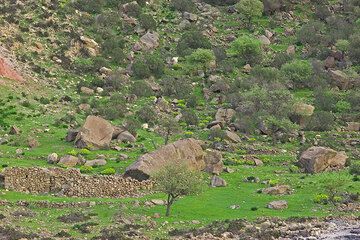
x=71 y=183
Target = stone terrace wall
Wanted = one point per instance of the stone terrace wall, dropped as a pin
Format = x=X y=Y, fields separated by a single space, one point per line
x=71 y=183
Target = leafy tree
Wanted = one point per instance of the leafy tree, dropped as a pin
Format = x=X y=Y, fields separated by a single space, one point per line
x=183 y=5
x=250 y=9
x=177 y=180
x=246 y=49
x=312 y=33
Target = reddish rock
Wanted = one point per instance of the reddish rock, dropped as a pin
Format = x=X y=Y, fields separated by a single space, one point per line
x=8 y=72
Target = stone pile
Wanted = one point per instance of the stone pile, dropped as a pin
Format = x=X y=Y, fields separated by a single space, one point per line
x=71 y=183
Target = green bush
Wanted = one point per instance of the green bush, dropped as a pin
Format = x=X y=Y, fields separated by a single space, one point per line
x=108 y=171
x=150 y=64
x=189 y=116
x=147 y=21
x=321 y=199
x=179 y=88
x=190 y=41
x=325 y=99
x=320 y=121
x=250 y=9
x=147 y=114
x=355 y=169
x=141 y=89
x=221 y=2
x=183 y=5
x=90 y=6
x=298 y=72
x=343 y=106
x=86 y=169
x=247 y=50
x=312 y=33
x=354 y=54
x=201 y=59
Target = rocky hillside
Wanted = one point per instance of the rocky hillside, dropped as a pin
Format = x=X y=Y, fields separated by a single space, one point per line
x=258 y=95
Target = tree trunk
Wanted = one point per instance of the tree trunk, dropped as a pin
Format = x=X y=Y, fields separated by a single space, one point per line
x=169 y=203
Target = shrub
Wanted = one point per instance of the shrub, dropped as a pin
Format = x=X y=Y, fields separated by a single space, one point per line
x=179 y=88
x=190 y=117
x=183 y=5
x=147 y=21
x=247 y=50
x=90 y=6
x=147 y=114
x=299 y=72
x=250 y=9
x=355 y=169
x=190 y=41
x=342 y=45
x=280 y=59
x=221 y=2
x=343 y=106
x=320 y=121
x=108 y=171
x=133 y=10
x=86 y=169
x=321 y=199
x=141 y=89
x=354 y=54
x=311 y=33
x=272 y=6
x=150 y=64
x=201 y=59
x=325 y=100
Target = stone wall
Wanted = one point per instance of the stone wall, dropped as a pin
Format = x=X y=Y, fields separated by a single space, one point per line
x=71 y=183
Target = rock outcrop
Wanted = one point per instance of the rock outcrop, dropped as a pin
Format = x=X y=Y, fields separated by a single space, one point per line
x=96 y=134
x=319 y=159
x=8 y=72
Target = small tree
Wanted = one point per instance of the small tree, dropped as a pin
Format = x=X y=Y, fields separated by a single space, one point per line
x=250 y=9
x=168 y=126
x=246 y=49
x=177 y=180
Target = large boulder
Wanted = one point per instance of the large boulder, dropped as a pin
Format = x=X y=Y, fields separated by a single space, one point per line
x=96 y=134
x=96 y=162
x=186 y=151
x=319 y=159
x=232 y=137
x=126 y=137
x=217 y=181
x=278 y=205
x=277 y=190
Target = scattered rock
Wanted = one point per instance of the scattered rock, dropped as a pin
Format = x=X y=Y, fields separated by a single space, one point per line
x=14 y=130
x=53 y=158
x=87 y=91
x=213 y=161
x=232 y=137
x=71 y=135
x=126 y=137
x=264 y=40
x=277 y=190
x=217 y=181
x=278 y=205
x=224 y=115
x=69 y=161
x=353 y=126
x=96 y=133
x=32 y=143
x=96 y=162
